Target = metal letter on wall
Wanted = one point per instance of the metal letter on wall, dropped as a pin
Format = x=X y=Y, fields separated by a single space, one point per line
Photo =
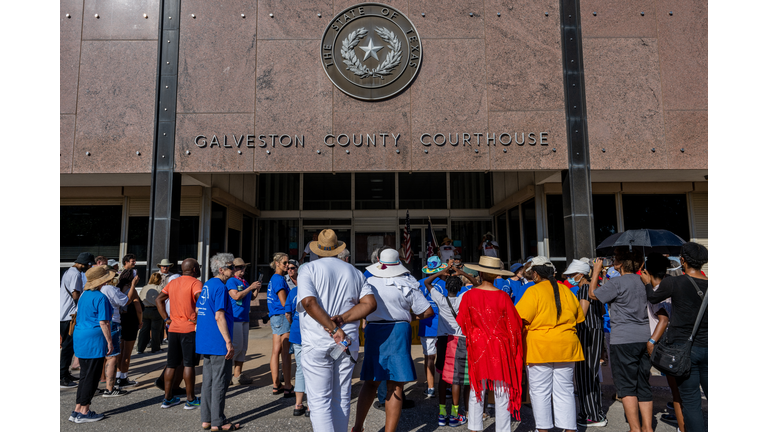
x=576 y=180
x=165 y=190
x=371 y=51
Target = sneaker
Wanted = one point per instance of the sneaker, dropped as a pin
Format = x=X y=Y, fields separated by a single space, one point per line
x=457 y=421
x=429 y=393
x=442 y=420
x=114 y=393
x=378 y=406
x=87 y=418
x=66 y=383
x=125 y=382
x=588 y=422
x=193 y=404
x=72 y=377
x=73 y=416
x=169 y=403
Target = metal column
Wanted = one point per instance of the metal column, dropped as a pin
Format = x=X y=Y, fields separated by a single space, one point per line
x=577 y=183
x=165 y=190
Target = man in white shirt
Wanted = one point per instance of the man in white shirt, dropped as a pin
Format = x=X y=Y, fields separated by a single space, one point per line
x=331 y=301
x=489 y=247
x=69 y=291
x=447 y=250
x=308 y=251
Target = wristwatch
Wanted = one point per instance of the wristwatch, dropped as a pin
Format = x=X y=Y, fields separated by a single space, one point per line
x=653 y=342
x=333 y=332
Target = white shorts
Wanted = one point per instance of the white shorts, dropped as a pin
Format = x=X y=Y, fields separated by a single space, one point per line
x=429 y=345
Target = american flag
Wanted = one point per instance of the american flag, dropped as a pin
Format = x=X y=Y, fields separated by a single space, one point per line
x=407 y=239
x=431 y=240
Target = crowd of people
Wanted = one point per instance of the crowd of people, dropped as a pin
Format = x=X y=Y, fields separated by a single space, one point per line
x=492 y=336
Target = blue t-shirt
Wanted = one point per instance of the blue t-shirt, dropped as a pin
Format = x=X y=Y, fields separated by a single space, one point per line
x=502 y=284
x=240 y=308
x=88 y=339
x=276 y=284
x=367 y=274
x=214 y=297
x=428 y=327
x=290 y=307
x=517 y=289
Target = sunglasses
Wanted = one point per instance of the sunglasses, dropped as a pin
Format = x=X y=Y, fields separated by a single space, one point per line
x=230 y=267
x=239 y=267
x=291 y=268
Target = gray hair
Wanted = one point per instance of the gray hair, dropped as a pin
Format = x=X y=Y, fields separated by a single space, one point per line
x=219 y=261
x=376 y=252
x=344 y=254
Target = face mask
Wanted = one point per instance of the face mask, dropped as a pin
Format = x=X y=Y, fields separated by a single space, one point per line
x=572 y=281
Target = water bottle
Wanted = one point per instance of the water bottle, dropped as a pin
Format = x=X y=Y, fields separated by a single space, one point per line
x=339 y=348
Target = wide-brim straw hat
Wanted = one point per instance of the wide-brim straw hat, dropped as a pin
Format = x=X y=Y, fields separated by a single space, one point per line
x=98 y=275
x=389 y=265
x=327 y=244
x=240 y=262
x=165 y=263
x=491 y=265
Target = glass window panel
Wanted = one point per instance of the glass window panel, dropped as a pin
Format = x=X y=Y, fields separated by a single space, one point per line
x=138 y=236
x=94 y=229
x=218 y=228
x=327 y=191
x=365 y=243
x=188 y=236
x=604 y=210
x=233 y=242
x=470 y=190
x=276 y=236
x=374 y=191
x=669 y=212
x=278 y=191
x=471 y=234
x=530 y=240
x=501 y=224
x=555 y=226
x=514 y=234
x=247 y=252
x=422 y=191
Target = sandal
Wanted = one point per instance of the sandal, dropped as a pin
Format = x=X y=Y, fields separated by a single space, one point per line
x=207 y=427
x=232 y=427
x=277 y=391
x=289 y=393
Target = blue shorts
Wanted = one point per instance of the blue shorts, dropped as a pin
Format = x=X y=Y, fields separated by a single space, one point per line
x=280 y=324
x=116 y=329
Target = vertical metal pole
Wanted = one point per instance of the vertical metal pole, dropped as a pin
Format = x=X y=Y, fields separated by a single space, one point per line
x=578 y=216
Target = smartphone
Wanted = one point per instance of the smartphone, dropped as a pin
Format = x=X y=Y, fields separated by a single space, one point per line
x=261 y=276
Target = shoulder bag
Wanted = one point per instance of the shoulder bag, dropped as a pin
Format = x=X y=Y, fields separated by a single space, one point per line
x=73 y=321
x=675 y=359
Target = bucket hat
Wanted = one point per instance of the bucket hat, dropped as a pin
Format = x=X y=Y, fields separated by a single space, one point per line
x=577 y=266
x=165 y=263
x=85 y=258
x=490 y=265
x=434 y=265
x=327 y=244
x=389 y=265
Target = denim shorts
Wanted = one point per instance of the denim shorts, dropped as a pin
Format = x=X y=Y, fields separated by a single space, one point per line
x=280 y=324
x=115 y=330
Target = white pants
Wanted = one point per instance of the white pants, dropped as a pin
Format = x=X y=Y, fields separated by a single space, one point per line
x=240 y=340
x=552 y=383
x=329 y=388
x=475 y=414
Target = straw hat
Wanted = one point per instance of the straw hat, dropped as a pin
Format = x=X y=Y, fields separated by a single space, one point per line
x=389 y=265
x=448 y=240
x=490 y=265
x=239 y=262
x=165 y=263
x=434 y=265
x=98 y=275
x=327 y=244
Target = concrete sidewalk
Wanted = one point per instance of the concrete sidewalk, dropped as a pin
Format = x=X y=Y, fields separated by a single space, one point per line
x=255 y=408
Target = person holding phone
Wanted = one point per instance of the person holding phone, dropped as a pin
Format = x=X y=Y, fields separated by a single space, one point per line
x=240 y=294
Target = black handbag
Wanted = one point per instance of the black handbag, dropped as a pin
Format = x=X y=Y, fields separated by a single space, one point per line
x=675 y=359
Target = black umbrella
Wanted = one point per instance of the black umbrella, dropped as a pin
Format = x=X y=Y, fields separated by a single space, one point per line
x=650 y=240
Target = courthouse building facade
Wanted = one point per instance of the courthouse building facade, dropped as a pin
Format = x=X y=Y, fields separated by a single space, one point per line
x=193 y=127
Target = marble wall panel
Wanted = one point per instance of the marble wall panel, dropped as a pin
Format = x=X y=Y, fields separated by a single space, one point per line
x=367 y=157
x=686 y=130
x=624 y=110
x=69 y=53
x=448 y=20
x=618 y=18
x=293 y=101
x=450 y=98
x=115 y=106
x=683 y=53
x=213 y=158
x=66 y=142
x=217 y=57
x=554 y=155
x=524 y=56
x=296 y=19
x=119 y=19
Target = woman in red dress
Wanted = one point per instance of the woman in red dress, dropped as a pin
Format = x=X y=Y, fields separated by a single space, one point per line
x=493 y=329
